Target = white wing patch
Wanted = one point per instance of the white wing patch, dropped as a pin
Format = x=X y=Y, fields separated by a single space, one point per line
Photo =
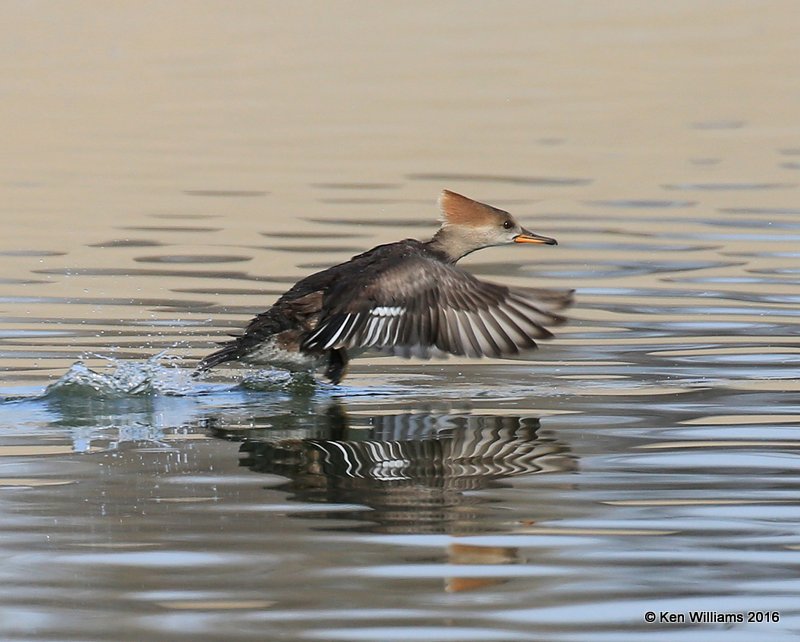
x=387 y=311
x=383 y=326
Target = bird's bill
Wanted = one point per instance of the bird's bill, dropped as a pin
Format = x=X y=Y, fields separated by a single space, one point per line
x=530 y=237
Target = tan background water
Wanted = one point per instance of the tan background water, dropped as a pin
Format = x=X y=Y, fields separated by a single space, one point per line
x=119 y=115
x=168 y=168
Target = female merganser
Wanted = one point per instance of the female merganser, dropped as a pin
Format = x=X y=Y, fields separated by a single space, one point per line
x=407 y=299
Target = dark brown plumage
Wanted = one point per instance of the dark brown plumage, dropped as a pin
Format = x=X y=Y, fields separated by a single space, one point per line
x=406 y=298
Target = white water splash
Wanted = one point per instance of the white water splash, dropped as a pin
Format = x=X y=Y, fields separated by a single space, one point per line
x=160 y=374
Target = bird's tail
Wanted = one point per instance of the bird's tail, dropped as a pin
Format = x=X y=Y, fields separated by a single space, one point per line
x=228 y=352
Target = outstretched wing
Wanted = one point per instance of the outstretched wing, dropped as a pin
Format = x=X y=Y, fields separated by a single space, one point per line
x=420 y=306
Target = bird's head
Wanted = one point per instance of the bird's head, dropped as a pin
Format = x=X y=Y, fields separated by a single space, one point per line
x=468 y=225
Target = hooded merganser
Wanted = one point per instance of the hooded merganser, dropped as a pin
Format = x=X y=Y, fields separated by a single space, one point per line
x=407 y=299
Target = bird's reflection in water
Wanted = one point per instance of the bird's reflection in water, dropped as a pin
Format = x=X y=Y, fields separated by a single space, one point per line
x=411 y=471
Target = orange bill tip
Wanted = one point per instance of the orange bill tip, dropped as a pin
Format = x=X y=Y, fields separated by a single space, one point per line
x=528 y=237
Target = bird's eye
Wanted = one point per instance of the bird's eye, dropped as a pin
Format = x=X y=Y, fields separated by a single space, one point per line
x=508 y=225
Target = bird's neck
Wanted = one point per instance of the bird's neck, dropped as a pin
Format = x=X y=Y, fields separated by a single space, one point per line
x=452 y=244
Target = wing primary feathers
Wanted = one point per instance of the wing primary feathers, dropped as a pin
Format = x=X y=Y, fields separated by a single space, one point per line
x=446 y=341
x=499 y=333
x=433 y=318
x=511 y=327
x=527 y=307
x=491 y=348
x=440 y=337
x=466 y=327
